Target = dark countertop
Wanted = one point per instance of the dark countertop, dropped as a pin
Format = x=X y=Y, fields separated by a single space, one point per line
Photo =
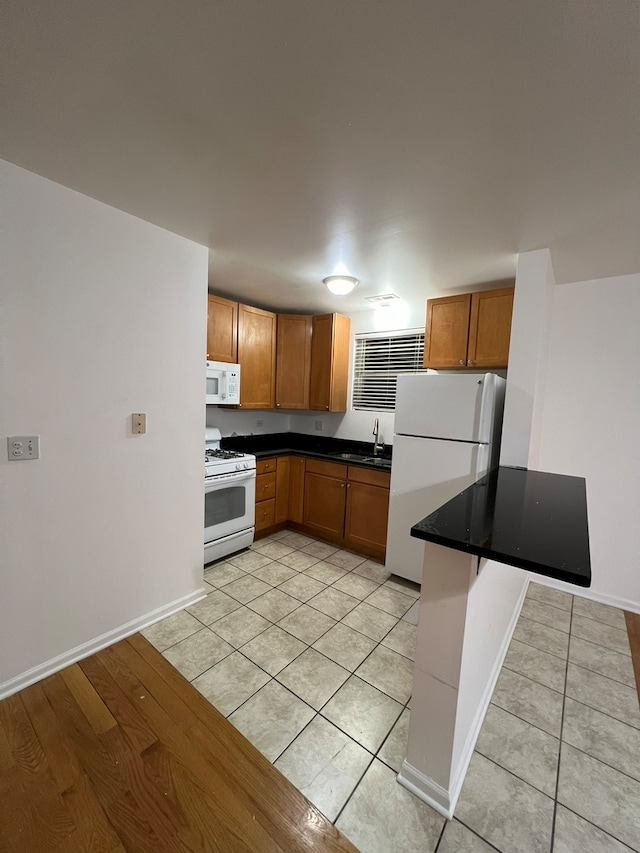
x=323 y=447
x=528 y=519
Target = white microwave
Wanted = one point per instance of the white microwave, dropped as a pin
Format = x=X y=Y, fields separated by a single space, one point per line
x=223 y=383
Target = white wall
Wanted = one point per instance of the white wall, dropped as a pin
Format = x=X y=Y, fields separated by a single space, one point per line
x=248 y=422
x=101 y=315
x=532 y=306
x=590 y=425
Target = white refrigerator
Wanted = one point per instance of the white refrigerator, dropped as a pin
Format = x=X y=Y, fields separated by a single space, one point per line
x=446 y=436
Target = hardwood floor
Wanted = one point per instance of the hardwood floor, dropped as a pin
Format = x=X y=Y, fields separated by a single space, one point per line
x=120 y=753
x=633 y=630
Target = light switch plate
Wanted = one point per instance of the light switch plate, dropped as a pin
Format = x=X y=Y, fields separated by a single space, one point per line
x=21 y=447
x=138 y=423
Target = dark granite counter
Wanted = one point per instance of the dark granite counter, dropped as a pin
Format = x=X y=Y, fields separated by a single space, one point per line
x=528 y=519
x=322 y=447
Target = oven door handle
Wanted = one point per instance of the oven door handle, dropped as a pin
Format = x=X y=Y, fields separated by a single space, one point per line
x=235 y=477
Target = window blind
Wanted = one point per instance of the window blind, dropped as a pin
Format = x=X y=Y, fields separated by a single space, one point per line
x=379 y=359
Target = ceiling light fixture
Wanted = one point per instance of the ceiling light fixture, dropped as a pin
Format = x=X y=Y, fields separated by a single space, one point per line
x=341 y=285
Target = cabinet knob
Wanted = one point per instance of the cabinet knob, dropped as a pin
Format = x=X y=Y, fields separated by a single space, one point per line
x=277 y=405
x=470 y=362
x=327 y=408
x=461 y=361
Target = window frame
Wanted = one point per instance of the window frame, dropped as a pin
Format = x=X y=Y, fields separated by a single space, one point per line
x=409 y=359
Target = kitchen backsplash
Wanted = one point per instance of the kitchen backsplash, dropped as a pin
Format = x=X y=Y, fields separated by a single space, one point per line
x=352 y=425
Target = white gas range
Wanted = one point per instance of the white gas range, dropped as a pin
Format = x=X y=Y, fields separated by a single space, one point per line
x=229 y=498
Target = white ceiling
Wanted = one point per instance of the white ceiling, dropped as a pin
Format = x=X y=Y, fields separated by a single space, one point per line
x=421 y=143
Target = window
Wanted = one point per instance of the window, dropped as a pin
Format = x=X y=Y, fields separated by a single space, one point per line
x=379 y=359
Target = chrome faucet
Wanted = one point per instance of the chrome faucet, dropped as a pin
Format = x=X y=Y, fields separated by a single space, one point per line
x=378 y=446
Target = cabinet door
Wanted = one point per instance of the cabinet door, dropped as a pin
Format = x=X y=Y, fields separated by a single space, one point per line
x=257 y=357
x=330 y=341
x=293 y=361
x=265 y=487
x=296 y=488
x=367 y=512
x=447 y=331
x=265 y=515
x=324 y=499
x=282 y=489
x=222 y=329
x=490 y=328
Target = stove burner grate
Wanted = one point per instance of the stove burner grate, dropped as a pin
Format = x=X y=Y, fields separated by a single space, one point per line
x=221 y=454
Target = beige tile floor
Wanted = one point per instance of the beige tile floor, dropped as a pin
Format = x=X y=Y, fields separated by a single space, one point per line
x=308 y=650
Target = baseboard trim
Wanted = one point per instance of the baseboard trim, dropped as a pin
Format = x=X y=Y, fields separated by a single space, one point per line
x=37 y=673
x=425 y=789
x=601 y=598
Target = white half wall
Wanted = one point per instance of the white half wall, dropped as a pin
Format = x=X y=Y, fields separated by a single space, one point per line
x=590 y=424
x=101 y=315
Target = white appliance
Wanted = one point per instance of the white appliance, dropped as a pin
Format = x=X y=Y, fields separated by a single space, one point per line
x=223 y=383
x=446 y=436
x=229 y=498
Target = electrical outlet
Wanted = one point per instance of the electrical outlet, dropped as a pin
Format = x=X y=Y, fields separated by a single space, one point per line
x=23 y=447
x=319 y=425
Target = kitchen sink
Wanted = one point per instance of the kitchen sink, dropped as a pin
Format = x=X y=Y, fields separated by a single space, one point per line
x=362 y=457
x=354 y=457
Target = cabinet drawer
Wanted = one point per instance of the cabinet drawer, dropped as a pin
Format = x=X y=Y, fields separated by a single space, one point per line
x=265 y=466
x=265 y=486
x=265 y=514
x=327 y=469
x=368 y=476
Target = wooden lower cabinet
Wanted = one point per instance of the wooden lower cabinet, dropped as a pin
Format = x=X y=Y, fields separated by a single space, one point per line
x=272 y=494
x=346 y=505
x=325 y=496
x=265 y=494
x=296 y=488
x=367 y=510
x=282 y=489
x=265 y=516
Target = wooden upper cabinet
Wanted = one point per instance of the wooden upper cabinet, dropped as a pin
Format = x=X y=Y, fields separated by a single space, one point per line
x=447 y=331
x=490 y=328
x=330 y=341
x=293 y=361
x=257 y=357
x=469 y=330
x=222 y=329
